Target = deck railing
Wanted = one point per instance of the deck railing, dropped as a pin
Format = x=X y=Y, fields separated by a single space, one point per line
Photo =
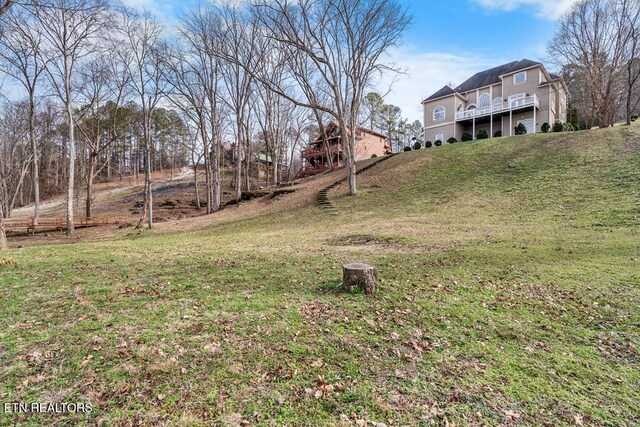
x=321 y=151
x=501 y=107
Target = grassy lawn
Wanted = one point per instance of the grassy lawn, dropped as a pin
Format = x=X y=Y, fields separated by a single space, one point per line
x=509 y=295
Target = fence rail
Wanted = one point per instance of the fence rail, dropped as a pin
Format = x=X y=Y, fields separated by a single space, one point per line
x=59 y=223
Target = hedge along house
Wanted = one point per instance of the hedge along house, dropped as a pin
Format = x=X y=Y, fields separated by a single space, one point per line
x=496 y=101
x=315 y=159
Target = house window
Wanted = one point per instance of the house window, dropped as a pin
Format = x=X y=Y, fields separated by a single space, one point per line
x=440 y=137
x=497 y=100
x=439 y=113
x=520 y=78
x=485 y=100
x=471 y=107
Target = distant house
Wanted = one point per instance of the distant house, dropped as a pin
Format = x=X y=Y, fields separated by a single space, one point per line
x=315 y=159
x=496 y=101
x=263 y=166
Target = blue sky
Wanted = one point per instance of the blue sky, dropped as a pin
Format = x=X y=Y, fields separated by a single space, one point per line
x=448 y=41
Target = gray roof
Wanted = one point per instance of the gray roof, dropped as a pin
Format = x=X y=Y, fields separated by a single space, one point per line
x=446 y=90
x=485 y=78
x=492 y=76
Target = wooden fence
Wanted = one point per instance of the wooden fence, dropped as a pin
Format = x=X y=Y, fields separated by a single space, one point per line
x=60 y=223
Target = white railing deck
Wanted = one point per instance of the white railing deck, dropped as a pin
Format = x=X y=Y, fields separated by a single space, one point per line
x=513 y=104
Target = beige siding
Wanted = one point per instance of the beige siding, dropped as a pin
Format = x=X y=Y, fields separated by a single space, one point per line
x=429 y=107
x=497 y=91
x=530 y=87
x=471 y=98
x=562 y=104
x=370 y=145
x=447 y=131
x=544 y=114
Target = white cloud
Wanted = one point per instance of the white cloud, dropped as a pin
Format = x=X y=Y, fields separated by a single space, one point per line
x=427 y=72
x=161 y=9
x=549 y=9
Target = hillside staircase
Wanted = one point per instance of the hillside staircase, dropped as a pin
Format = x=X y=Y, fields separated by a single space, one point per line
x=322 y=199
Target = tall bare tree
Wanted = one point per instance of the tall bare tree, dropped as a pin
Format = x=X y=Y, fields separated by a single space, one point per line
x=21 y=60
x=104 y=93
x=137 y=42
x=630 y=23
x=591 y=43
x=15 y=154
x=237 y=47
x=69 y=30
x=344 y=41
x=194 y=75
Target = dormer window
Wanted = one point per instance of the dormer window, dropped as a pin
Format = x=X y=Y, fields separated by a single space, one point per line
x=439 y=113
x=520 y=78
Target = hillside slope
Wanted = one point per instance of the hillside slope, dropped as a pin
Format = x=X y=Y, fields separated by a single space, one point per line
x=510 y=287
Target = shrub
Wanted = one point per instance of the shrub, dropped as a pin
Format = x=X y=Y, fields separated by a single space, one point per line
x=558 y=127
x=568 y=127
x=634 y=117
x=467 y=136
x=428 y=144
x=452 y=140
x=438 y=143
x=482 y=134
x=407 y=148
x=521 y=129
x=545 y=127
x=373 y=156
x=497 y=134
x=417 y=145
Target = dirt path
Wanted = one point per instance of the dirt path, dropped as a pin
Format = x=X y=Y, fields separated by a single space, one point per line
x=105 y=194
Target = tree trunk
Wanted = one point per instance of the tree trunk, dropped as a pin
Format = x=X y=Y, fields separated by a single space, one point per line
x=238 y=171
x=3 y=237
x=92 y=167
x=350 y=145
x=247 y=172
x=216 y=184
x=34 y=149
x=72 y=164
x=359 y=276
x=148 y=182
x=274 y=162
x=195 y=184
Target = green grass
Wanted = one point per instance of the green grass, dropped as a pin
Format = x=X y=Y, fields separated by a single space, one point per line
x=509 y=295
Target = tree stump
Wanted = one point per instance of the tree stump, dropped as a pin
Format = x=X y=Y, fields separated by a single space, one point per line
x=359 y=276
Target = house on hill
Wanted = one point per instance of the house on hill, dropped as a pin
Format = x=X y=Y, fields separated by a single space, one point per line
x=315 y=159
x=496 y=101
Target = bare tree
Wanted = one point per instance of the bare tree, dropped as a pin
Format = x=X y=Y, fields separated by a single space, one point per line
x=21 y=60
x=237 y=47
x=630 y=22
x=186 y=93
x=137 y=42
x=194 y=75
x=591 y=42
x=15 y=155
x=344 y=41
x=104 y=92
x=69 y=29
